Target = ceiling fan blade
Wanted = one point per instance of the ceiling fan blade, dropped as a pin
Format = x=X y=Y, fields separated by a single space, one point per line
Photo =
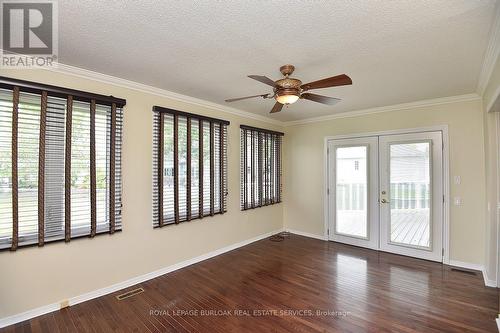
x=334 y=81
x=240 y=98
x=277 y=107
x=320 y=99
x=263 y=79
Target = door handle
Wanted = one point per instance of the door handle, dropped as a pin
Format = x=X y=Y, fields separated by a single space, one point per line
x=384 y=201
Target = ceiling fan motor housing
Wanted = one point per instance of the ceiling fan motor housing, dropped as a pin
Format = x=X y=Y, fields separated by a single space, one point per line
x=287 y=86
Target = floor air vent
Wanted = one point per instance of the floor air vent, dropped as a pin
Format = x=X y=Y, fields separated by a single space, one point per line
x=464 y=271
x=130 y=294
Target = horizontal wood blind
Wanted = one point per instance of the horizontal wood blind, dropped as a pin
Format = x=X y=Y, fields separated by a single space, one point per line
x=55 y=157
x=189 y=166
x=261 y=167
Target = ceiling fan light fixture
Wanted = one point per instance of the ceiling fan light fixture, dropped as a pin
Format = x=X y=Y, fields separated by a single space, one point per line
x=287 y=99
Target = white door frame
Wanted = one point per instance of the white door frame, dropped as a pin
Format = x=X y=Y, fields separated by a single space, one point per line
x=446 y=176
x=497 y=204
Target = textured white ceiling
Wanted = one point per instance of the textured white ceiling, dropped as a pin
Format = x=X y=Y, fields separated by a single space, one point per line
x=394 y=51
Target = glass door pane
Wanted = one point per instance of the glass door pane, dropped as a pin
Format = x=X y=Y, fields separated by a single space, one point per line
x=410 y=194
x=351 y=191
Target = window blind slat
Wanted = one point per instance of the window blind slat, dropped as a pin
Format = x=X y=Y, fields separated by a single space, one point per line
x=67 y=170
x=212 y=171
x=244 y=169
x=176 y=169
x=93 y=174
x=195 y=167
x=6 y=162
x=160 y=168
x=118 y=169
x=253 y=169
x=222 y=180
x=55 y=169
x=41 y=169
x=182 y=167
x=15 y=180
x=81 y=206
x=112 y=165
x=188 y=169
x=259 y=167
x=200 y=174
x=207 y=169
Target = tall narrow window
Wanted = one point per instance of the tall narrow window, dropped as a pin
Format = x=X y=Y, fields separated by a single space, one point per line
x=189 y=166
x=59 y=174
x=260 y=167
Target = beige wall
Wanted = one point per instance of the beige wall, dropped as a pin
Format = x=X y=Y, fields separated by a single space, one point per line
x=304 y=169
x=33 y=277
x=491 y=168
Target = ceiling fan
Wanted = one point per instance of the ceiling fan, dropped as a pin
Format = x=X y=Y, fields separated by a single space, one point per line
x=289 y=90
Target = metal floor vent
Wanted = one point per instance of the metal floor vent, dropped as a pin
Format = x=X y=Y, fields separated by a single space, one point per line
x=464 y=271
x=130 y=294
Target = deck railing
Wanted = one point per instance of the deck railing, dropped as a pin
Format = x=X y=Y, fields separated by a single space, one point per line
x=415 y=195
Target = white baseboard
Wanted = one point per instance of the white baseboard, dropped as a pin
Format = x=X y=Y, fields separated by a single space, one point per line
x=466 y=265
x=128 y=283
x=17 y=318
x=306 y=234
x=487 y=281
x=498 y=324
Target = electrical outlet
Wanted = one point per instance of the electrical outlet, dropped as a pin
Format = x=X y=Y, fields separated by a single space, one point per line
x=64 y=304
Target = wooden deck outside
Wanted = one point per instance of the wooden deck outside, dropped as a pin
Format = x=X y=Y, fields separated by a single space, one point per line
x=409 y=226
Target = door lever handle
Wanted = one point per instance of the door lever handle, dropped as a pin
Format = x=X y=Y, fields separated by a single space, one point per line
x=384 y=201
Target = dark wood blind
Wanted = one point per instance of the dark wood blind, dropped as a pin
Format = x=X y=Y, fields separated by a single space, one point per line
x=260 y=177
x=189 y=166
x=56 y=149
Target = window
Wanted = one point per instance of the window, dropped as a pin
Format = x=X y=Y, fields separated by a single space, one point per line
x=189 y=166
x=60 y=163
x=260 y=167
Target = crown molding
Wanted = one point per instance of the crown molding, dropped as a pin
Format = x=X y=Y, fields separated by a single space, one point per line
x=491 y=54
x=113 y=80
x=493 y=101
x=124 y=83
x=389 y=108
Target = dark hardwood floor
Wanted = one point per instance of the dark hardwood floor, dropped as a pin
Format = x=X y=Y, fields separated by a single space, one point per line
x=298 y=285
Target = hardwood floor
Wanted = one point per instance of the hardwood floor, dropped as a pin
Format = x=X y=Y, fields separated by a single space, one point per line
x=280 y=287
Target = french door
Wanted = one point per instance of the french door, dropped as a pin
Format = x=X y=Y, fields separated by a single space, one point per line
x=386 y=193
